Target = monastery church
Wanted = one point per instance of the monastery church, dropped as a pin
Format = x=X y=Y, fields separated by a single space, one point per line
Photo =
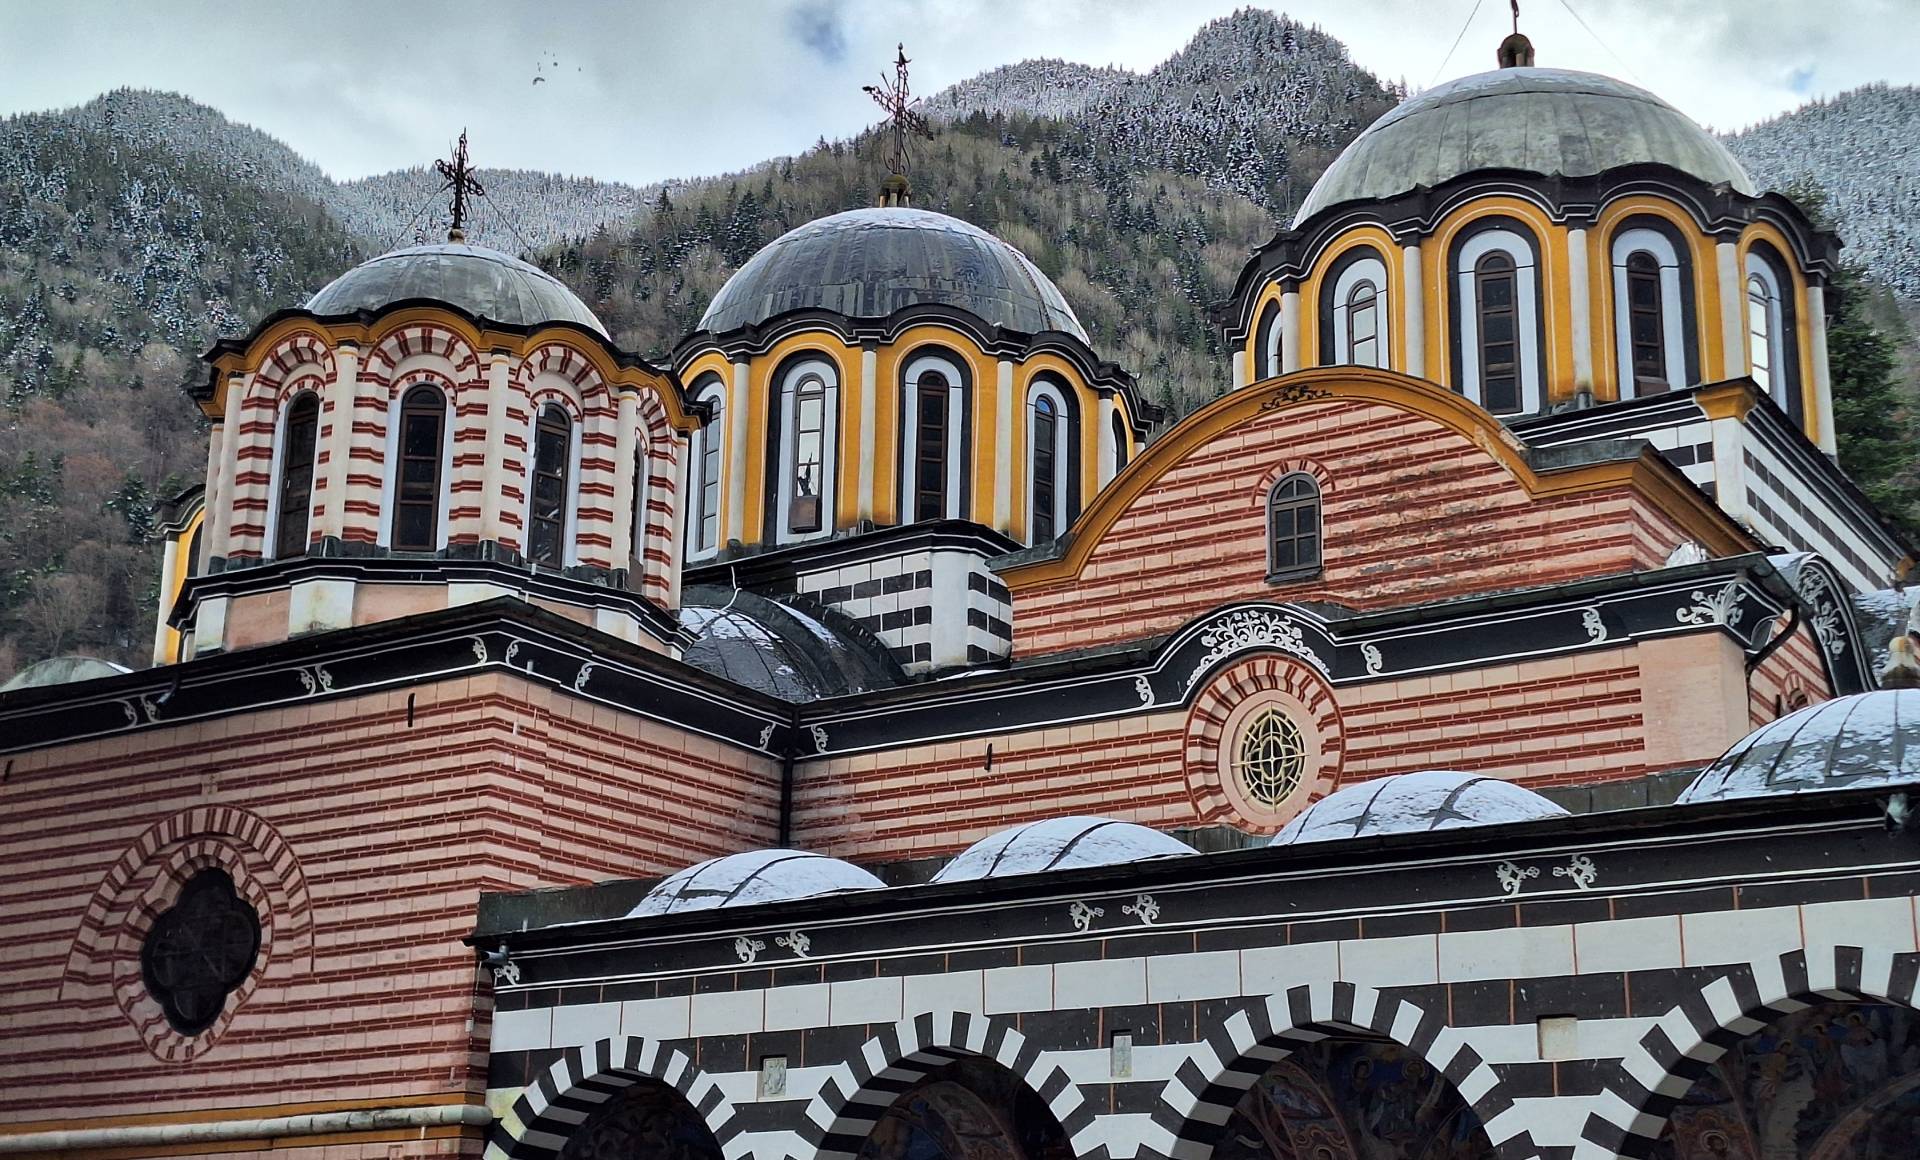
x=877 y=731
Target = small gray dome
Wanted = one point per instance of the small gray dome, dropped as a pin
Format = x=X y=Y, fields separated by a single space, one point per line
x=62 y=671
x=780 y=649
x=485 y=283
x=1542 y=120
x=1414 y=803
x=753 y=878
x=1060 y=844
x=868 y=263
x=1859 y=740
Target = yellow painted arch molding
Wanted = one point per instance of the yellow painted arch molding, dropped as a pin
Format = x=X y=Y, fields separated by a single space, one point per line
x=1651 y=477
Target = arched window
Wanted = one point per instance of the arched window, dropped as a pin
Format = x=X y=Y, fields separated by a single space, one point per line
x=1497 y=321
x=1652 y=311
x=708 y=448
x=1122 y=444
x=1048 y=434
x=1267 y=343
x=1760 y=330
x=552 y=461
x=1354 y=312
x=637 y=549
x=295 y=500
x=1293 y=527
x=933 y=447
x=1771 y=351
x=420 y=449
x=801 y=486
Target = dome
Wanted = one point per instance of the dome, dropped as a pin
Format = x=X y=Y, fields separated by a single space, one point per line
x=780 y=649
x=752 y=878
x=1415 y=803
x=1542 y=120
x=1060 y=844
x=1860 y=740
x=62 y=671
x=485 y=283
x=868 y=263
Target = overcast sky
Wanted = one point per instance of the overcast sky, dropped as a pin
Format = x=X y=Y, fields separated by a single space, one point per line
x=637 y=90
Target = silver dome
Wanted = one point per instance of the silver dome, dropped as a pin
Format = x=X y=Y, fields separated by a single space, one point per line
x=1542 y=120
x=1859 y=740
x=1415 y=803
x=752 y=878
x=62 y=671
x=1060 y=844
x=868 y=263
x=485 y=283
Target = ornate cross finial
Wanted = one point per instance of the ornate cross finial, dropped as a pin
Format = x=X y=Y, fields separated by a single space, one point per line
x=903 y=120
x=461 y=181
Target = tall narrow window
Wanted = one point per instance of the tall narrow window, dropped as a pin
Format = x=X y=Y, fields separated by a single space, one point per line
x=1046 y=469
x=1646 y=323
x=930 y=447
x=1293 y=527
x=416 y=491
x=552 y=449
x=1498 y=326
x=1122 y=444
x=1363 y=334
x=638 y=548
x=711 y=441
x=809 y=439
x=296 y=476
x=1267 y=343
x=1760 y=337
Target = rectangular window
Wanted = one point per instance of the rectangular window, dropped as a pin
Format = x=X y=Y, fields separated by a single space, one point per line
x=296 y=477
x=1644 y=324
x=1499 y=339
x=930 y=454
x=1045 y=474
x=809 y=417
x=551 y=450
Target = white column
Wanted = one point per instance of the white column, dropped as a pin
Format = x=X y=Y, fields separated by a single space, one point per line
x=1413 y=306
x=1241 y=375
x=213 y=541
x=1822 y=375
x=869 y=415
x=496 y=364
x=1003 y=449
x=340 y=402
x=1104 y=470
x=1733 y=325
x=170 y=565
x=1290 y=332
x=737 y=455
x=625 y=444
x=220 y=519
x=1580 y=303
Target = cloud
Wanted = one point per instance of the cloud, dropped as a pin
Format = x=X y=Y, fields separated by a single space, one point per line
x=817 y=26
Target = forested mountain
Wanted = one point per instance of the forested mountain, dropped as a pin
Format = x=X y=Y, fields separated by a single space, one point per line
x=137 y=227
x=1862 y=149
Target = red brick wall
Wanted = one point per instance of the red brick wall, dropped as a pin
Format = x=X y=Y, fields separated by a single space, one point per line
x=367 y=841
x=1795 y=671
x=1413 y=512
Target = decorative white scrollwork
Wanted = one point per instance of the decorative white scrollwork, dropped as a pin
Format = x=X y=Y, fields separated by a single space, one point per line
x=766 y=734
x=795 y=941
x=1513 y=876
x=1580 y=871
x=1247 y=628
x=748 y=948
x=316 y=679
x=1721 y=608
x=513 y=650
x=1370 y=654
x=819 y=737
x=1825 y=606
x=1083 y=915
x=479 y=647
x=1143 y=690
x=1143 y=908
x=1595 y=627
x=505 y=970
x=580 y=678
x=133 y=714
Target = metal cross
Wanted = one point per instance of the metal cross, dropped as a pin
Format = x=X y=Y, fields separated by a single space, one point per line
x=903 y=118
x=1516 y=17
x=461 y=181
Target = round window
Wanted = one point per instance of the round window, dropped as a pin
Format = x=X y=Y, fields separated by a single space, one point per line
x=199 y=951
x=1270 y=757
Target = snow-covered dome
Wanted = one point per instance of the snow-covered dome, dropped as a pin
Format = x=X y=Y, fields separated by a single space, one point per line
x=1071 y=843
x=1860 y=740
x=1540 y=120
x=62 y=671
x=778 y=648
x=485 y=283
x=868 y=263
x=1415 y=803
x=752 y=878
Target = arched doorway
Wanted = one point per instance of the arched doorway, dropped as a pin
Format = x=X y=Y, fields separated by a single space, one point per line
x=1835 y=1081
x=648 y=1119
x=969 y=1109
x=1352 y=1098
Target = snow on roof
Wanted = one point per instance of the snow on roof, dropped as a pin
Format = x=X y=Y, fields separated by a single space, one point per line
x=1863 y=739
x=751 y=878
x=1415 y=803
x=1060 y=844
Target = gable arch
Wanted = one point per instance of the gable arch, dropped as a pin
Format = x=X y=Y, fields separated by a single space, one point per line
x=561 y=1098
x=1196 y=1103
x=852 y=1100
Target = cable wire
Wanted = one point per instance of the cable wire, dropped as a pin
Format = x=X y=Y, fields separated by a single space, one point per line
x=1618 y=59
x=1457 y=40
